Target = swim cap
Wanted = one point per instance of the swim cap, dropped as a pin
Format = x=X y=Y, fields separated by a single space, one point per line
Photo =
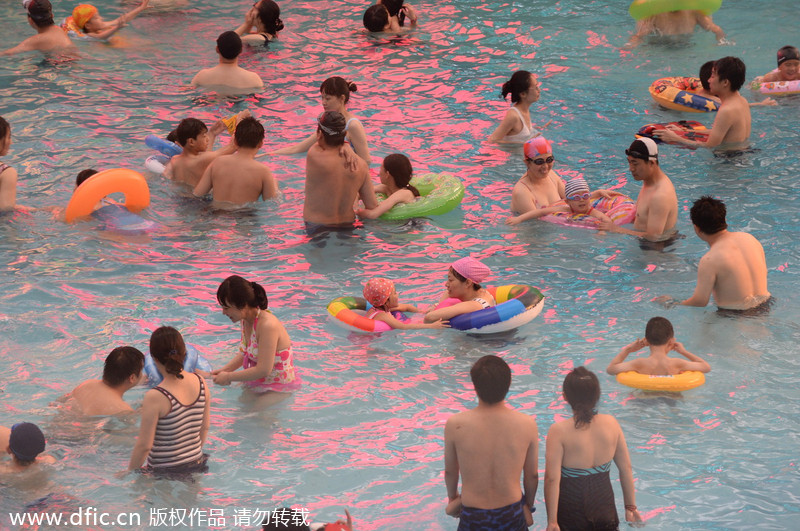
x=537 y=146
x=471 y=269
x=26 y=3
x=82 y=14
x=575 y=185
x=378 y=290
x=26 y=441
x=332 y=123
x=643 y=148
x=788 y=53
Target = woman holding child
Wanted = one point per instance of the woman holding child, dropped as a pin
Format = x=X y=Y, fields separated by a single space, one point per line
x=464 y=292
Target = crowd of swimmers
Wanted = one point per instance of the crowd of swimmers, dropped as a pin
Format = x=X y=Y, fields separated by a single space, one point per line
x=579 y=450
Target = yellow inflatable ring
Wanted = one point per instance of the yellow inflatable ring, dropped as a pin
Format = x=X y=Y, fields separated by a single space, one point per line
x=117 y=180
x=640 y=9
x=674 y=383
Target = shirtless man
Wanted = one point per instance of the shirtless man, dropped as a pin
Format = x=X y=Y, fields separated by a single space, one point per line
x=195 y=139
x=238 y=178
x=490 y=446
x=660 y=337
x=734 y=269
x=122 y=371
x=731 y=129
x=680 y=22
x=228 y=73
x=657 y=204
x=49 y=37
x=332 y=186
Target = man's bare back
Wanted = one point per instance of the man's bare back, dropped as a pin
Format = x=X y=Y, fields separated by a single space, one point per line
x=229 y=76
x=332 y=188
x=93 y=397
x=239 y=179
x=188 y=168
x=492 y=445
x=735 y=267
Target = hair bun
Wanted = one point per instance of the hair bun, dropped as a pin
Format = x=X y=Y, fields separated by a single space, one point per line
x=352 y=86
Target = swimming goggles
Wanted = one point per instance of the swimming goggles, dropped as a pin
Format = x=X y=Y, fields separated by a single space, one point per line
x=539 y=162
x=579 y=197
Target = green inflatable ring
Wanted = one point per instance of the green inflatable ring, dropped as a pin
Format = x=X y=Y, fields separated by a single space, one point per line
x=439 y=193
x=640 y=9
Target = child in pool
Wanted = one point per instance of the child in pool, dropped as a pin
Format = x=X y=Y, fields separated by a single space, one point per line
x=395 y=176
x=788 y=66
x=86 y=20
x=382 y=295
x=578 y=201
x=463 y=283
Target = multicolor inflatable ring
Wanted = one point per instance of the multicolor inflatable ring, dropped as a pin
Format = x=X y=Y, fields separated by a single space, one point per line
x=439 y=193
x=640 y=9
x=101 y=184
x=517 y=304
x=678 y=93
x=620 y=208
x=345 y=312
x=688 y=129
x=674 y=383
x=776 y=88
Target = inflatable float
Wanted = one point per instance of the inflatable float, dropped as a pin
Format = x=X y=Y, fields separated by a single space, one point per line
x=673 y=383
x=640 y=9
x=349 y=313
x=115 y=181
x=678 y=93
x=620 y=208
x=439 y=193
x=776 y=88
x=517 y=304
x=688 y=129
x=193 y=361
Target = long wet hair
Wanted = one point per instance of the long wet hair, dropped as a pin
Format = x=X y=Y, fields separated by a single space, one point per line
x=520 y=82
x=168 y=348
x=5 y=128
x=237 y=292
x=582 y=391
x=395 y=9
x=399 y=166
x=270 y=16
x=338 y=86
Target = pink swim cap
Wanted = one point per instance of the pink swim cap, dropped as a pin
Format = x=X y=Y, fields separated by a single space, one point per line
x=537 y=146
x=471 y=269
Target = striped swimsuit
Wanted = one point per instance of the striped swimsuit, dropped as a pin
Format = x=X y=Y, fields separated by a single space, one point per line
x=177 y=439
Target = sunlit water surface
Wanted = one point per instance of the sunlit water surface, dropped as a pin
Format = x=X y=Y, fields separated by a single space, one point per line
x=366 y=430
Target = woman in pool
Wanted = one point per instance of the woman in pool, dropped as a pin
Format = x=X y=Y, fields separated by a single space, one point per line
x=335 y=93
x=577 y=488
x=265 y=353
x=463 y=284
x=174 y=414
x=265 y=16
x=395 y=175
x=516 y=127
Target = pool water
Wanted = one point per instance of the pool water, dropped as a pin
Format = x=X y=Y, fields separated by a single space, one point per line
x=366 y=430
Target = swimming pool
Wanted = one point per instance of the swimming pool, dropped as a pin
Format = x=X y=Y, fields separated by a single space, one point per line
x=366 y=430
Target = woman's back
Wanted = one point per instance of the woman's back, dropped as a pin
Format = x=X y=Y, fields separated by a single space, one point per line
x=590 y=445
x=177 y=439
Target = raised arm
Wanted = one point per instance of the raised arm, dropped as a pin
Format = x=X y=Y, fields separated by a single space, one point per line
x=618 y=364
x=695 y=363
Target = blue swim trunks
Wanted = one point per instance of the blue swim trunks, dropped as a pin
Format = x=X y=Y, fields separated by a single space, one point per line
x=508 y=518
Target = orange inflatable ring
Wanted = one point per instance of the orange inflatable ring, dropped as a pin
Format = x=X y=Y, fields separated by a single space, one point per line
x=117 y=180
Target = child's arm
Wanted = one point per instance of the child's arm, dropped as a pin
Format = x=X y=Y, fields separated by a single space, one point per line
x=406 y=308
x=411 y=14
x=765 y=102
x=204 y=185
x=618 y=364
x=397 y=198
x=695 y=363
x=599 y=215
x=395 y=323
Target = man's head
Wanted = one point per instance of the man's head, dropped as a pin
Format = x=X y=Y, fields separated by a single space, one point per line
x=25 y=442
x=123 y=365
x=41 y=13
x=642 y=158
x=249 y=133
x=229 y=45
x=705 y=73
x=331 y=126
x=83 y=175
x=708 y=215
x=789 y=62
x=491 y=377
x=376 y=18
x=191 y=129
x=82 y=14
x=658 y=331
x=728 y=69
